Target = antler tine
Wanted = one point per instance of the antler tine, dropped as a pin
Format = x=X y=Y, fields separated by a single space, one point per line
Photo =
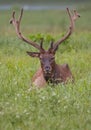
x=16 y=24
x=76 y=15
x=13 y=17
x=21 y=14
x=71 y=28
x=41 y=44
x=51 y=44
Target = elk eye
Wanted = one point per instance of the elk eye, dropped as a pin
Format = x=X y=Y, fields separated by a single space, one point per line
x=52 y=59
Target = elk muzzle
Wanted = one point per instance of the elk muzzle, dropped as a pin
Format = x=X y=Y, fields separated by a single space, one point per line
x=47 y=69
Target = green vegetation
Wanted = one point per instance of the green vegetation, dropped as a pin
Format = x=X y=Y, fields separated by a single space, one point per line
x=63 y=107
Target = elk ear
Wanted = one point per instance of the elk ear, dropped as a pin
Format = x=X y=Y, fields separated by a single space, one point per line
x=33 y=54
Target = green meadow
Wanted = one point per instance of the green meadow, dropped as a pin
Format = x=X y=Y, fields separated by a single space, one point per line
x=63 y=107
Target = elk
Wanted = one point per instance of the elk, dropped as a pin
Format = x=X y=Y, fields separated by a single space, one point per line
x=50 y=71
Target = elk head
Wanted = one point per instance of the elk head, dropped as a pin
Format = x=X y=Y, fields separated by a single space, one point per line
x=46 y=57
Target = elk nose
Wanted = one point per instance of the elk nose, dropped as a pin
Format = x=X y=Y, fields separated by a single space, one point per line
x=47 y=68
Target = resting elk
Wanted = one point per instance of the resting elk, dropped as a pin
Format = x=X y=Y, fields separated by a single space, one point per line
x=50 y=71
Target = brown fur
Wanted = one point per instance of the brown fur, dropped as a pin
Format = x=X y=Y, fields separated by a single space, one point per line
x=62 y=75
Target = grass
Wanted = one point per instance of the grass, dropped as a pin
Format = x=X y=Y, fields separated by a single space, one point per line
x=64 y=107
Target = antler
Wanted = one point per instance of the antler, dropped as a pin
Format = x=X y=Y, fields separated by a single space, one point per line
x=73 y=18
x=16 y=24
